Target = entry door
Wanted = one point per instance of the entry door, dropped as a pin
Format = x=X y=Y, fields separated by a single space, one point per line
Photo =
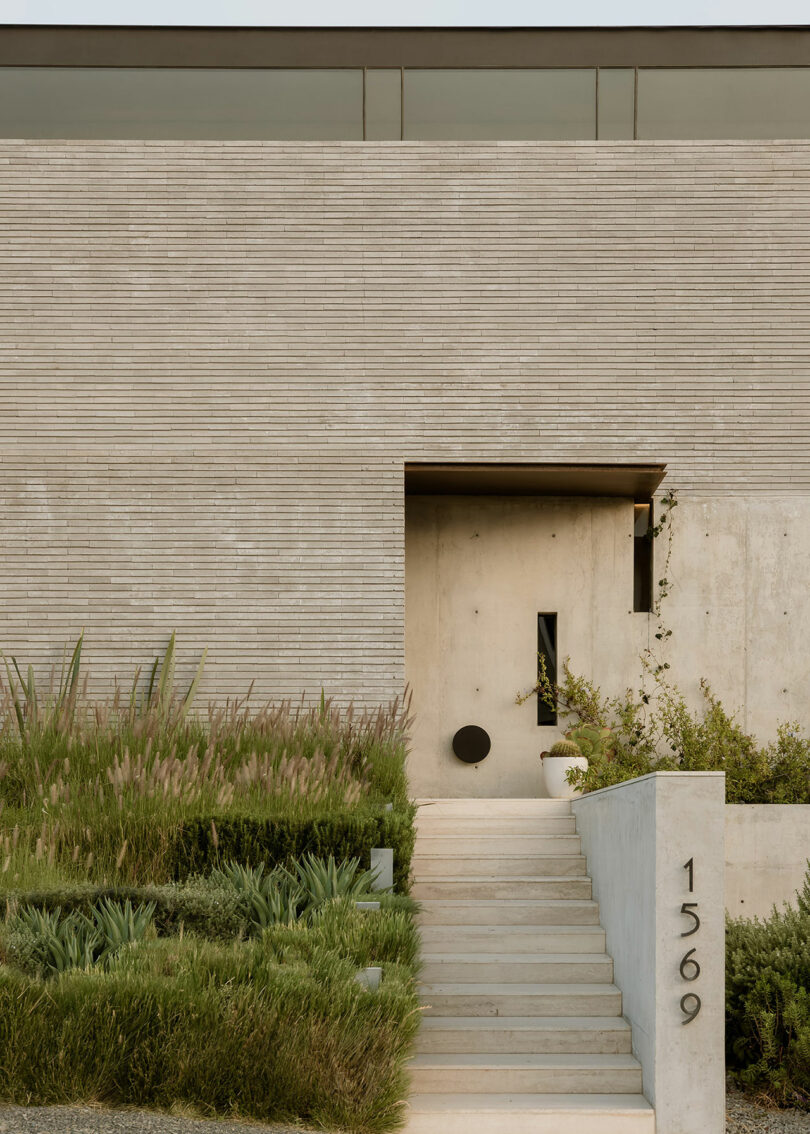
x=478 y=571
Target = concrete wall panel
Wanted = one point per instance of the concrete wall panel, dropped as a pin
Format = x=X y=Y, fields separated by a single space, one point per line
x=767 y=853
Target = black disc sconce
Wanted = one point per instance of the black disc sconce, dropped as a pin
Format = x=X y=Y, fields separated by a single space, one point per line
x=471 y=744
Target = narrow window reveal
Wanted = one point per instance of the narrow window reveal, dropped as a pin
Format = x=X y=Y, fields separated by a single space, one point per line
x=547 y=651
x=642 y=558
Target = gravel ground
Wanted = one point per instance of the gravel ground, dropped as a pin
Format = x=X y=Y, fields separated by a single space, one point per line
x=93 y=1120
x=744 y=1117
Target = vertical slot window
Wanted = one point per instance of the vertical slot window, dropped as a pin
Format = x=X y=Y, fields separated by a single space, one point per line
x=642 y=558
x=547 y=651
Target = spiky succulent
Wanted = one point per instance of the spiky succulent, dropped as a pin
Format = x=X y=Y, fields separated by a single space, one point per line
x=564 y=748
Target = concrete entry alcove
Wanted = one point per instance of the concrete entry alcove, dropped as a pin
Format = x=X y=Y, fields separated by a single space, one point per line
x=479 y=568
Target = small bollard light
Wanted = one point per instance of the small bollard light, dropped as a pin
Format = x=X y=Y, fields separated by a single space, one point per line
x=382 y=860
x=366 y=906
x=369 y=978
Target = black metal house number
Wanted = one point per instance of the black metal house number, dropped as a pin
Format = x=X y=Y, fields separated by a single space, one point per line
x=689 y=967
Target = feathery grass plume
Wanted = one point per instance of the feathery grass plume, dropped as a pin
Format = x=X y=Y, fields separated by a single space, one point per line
x=142 y=767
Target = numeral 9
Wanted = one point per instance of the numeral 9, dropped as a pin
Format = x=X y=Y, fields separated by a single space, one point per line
x=690 y=1013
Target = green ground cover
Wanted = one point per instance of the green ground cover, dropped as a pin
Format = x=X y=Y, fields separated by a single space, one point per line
x=172 y=930
x=768 y=1003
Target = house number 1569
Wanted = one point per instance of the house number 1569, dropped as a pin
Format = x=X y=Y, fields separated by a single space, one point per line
x=689 y=967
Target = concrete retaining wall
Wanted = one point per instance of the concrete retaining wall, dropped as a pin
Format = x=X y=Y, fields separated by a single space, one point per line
x=767 y=848
x=638 y=836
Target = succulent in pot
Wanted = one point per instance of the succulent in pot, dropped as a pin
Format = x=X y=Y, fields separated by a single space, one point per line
x=561 y=757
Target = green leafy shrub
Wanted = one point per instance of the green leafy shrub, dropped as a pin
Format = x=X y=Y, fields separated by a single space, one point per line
x=654 y=730
x=768 y=1003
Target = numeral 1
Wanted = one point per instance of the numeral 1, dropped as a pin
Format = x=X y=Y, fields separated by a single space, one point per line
x=690 y=866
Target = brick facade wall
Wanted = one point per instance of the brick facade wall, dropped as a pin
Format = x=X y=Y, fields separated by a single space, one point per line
x=215 y=357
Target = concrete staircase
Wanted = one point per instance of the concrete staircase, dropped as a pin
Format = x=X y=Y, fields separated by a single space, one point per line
x=523 y=1031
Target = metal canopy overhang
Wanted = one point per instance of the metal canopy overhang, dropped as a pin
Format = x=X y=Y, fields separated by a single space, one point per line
x=638 y=482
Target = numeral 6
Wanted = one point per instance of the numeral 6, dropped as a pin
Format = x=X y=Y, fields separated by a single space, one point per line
x=687 y=961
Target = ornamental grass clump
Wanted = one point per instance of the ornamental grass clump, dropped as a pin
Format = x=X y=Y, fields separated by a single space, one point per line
x=139 y=787
x=274 y=1028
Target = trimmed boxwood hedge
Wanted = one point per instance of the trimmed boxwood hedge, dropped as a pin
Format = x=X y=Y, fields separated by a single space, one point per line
x=201 y=844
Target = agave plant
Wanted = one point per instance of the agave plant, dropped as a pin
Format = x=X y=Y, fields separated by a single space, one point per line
x=279 y=904
x=119 y=925
x=245 y=879
x=55 y=944
x=324 y=880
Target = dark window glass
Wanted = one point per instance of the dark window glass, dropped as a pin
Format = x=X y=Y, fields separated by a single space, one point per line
x=616 y=96
x=724 y=102
x=642 y=558
x=130 y=102
x=383 y=105
x=547 y=650
x=484 y=104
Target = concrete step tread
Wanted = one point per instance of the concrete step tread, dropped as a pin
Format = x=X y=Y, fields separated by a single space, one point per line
x=508 y=903
x=519 y=930
x=487 y=836
x=499 y=879
x=519 y=934
x=513 y=1103
x=527 y=1060
x=525 y=1023
x=520 y=855
x=482 y=958
x=494 y=805
x=501 y=989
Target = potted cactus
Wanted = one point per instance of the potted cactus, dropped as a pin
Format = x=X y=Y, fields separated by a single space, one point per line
x=561 y=757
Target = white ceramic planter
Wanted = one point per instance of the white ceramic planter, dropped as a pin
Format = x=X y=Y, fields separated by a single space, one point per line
x=554 y=769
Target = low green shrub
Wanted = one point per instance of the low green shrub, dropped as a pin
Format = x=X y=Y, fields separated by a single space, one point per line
x=274 y=1028
x=200 y=906
x=655 y=731
x=768 y=1003
x=201 y=845
x=211 y=907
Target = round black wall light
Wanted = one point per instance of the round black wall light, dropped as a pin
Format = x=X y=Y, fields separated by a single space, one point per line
x=471 y=744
